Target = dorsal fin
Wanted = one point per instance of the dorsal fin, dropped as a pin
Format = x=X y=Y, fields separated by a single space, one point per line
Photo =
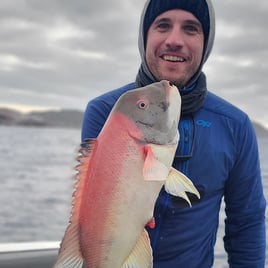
x=69 y=253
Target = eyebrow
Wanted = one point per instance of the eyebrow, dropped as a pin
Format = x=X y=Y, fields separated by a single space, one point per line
x=159 y=20
x=194 y=22
x=190 y=21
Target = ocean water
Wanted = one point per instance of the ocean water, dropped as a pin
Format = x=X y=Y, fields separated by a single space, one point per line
x=36 y=171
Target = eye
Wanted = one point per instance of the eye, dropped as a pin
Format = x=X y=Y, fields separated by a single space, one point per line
x=163 y=26
x=193 y=28
x=142 y=104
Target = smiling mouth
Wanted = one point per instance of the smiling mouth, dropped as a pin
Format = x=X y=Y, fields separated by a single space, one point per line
x=173 y=58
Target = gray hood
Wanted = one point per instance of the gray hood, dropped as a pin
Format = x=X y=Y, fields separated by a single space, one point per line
x=145 y=77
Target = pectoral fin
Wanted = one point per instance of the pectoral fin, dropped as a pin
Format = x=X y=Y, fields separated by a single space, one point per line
x=141 y=256
x=177 y=184
x=153 y=169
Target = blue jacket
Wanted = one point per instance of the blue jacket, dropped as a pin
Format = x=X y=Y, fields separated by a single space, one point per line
x=218 y=152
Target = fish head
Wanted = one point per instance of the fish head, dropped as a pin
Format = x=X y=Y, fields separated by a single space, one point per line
x=154 y=110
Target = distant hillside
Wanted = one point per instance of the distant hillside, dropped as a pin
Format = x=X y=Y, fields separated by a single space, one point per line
x=61 y=118
x=65 y=119
x=261 y=131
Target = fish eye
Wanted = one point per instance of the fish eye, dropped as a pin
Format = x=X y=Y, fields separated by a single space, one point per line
x=142 y=104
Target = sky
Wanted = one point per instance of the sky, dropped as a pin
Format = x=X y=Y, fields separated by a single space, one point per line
x=59 y=54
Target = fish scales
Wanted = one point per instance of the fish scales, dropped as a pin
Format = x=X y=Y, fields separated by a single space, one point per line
x=120 y=176
x=107 y=203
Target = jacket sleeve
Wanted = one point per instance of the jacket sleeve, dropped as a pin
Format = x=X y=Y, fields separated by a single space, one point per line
x=98 y=110
x=244 y=239
x=95 y=116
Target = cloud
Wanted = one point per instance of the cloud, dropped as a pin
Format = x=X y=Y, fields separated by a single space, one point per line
x=62 y=53
x=237 y=69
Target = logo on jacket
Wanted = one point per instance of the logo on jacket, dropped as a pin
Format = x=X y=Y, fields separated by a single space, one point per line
x=203 y=123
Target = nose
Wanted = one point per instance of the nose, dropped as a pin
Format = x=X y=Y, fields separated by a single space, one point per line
x=175 y=38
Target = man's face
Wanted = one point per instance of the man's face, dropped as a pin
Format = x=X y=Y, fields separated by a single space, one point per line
x=174 y=49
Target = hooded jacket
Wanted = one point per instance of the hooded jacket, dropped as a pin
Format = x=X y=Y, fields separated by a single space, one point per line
x=218 y=151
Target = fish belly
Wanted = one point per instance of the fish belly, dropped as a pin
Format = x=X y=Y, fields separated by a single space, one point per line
x=116 y=205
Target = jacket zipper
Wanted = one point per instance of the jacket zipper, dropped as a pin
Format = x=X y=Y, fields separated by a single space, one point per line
x=185 y=150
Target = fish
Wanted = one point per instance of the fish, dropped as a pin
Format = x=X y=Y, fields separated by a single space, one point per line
x=119 y=177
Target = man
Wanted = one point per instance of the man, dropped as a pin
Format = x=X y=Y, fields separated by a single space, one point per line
x=217 y=151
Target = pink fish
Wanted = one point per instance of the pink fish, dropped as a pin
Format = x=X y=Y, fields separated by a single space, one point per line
x=119 y=179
